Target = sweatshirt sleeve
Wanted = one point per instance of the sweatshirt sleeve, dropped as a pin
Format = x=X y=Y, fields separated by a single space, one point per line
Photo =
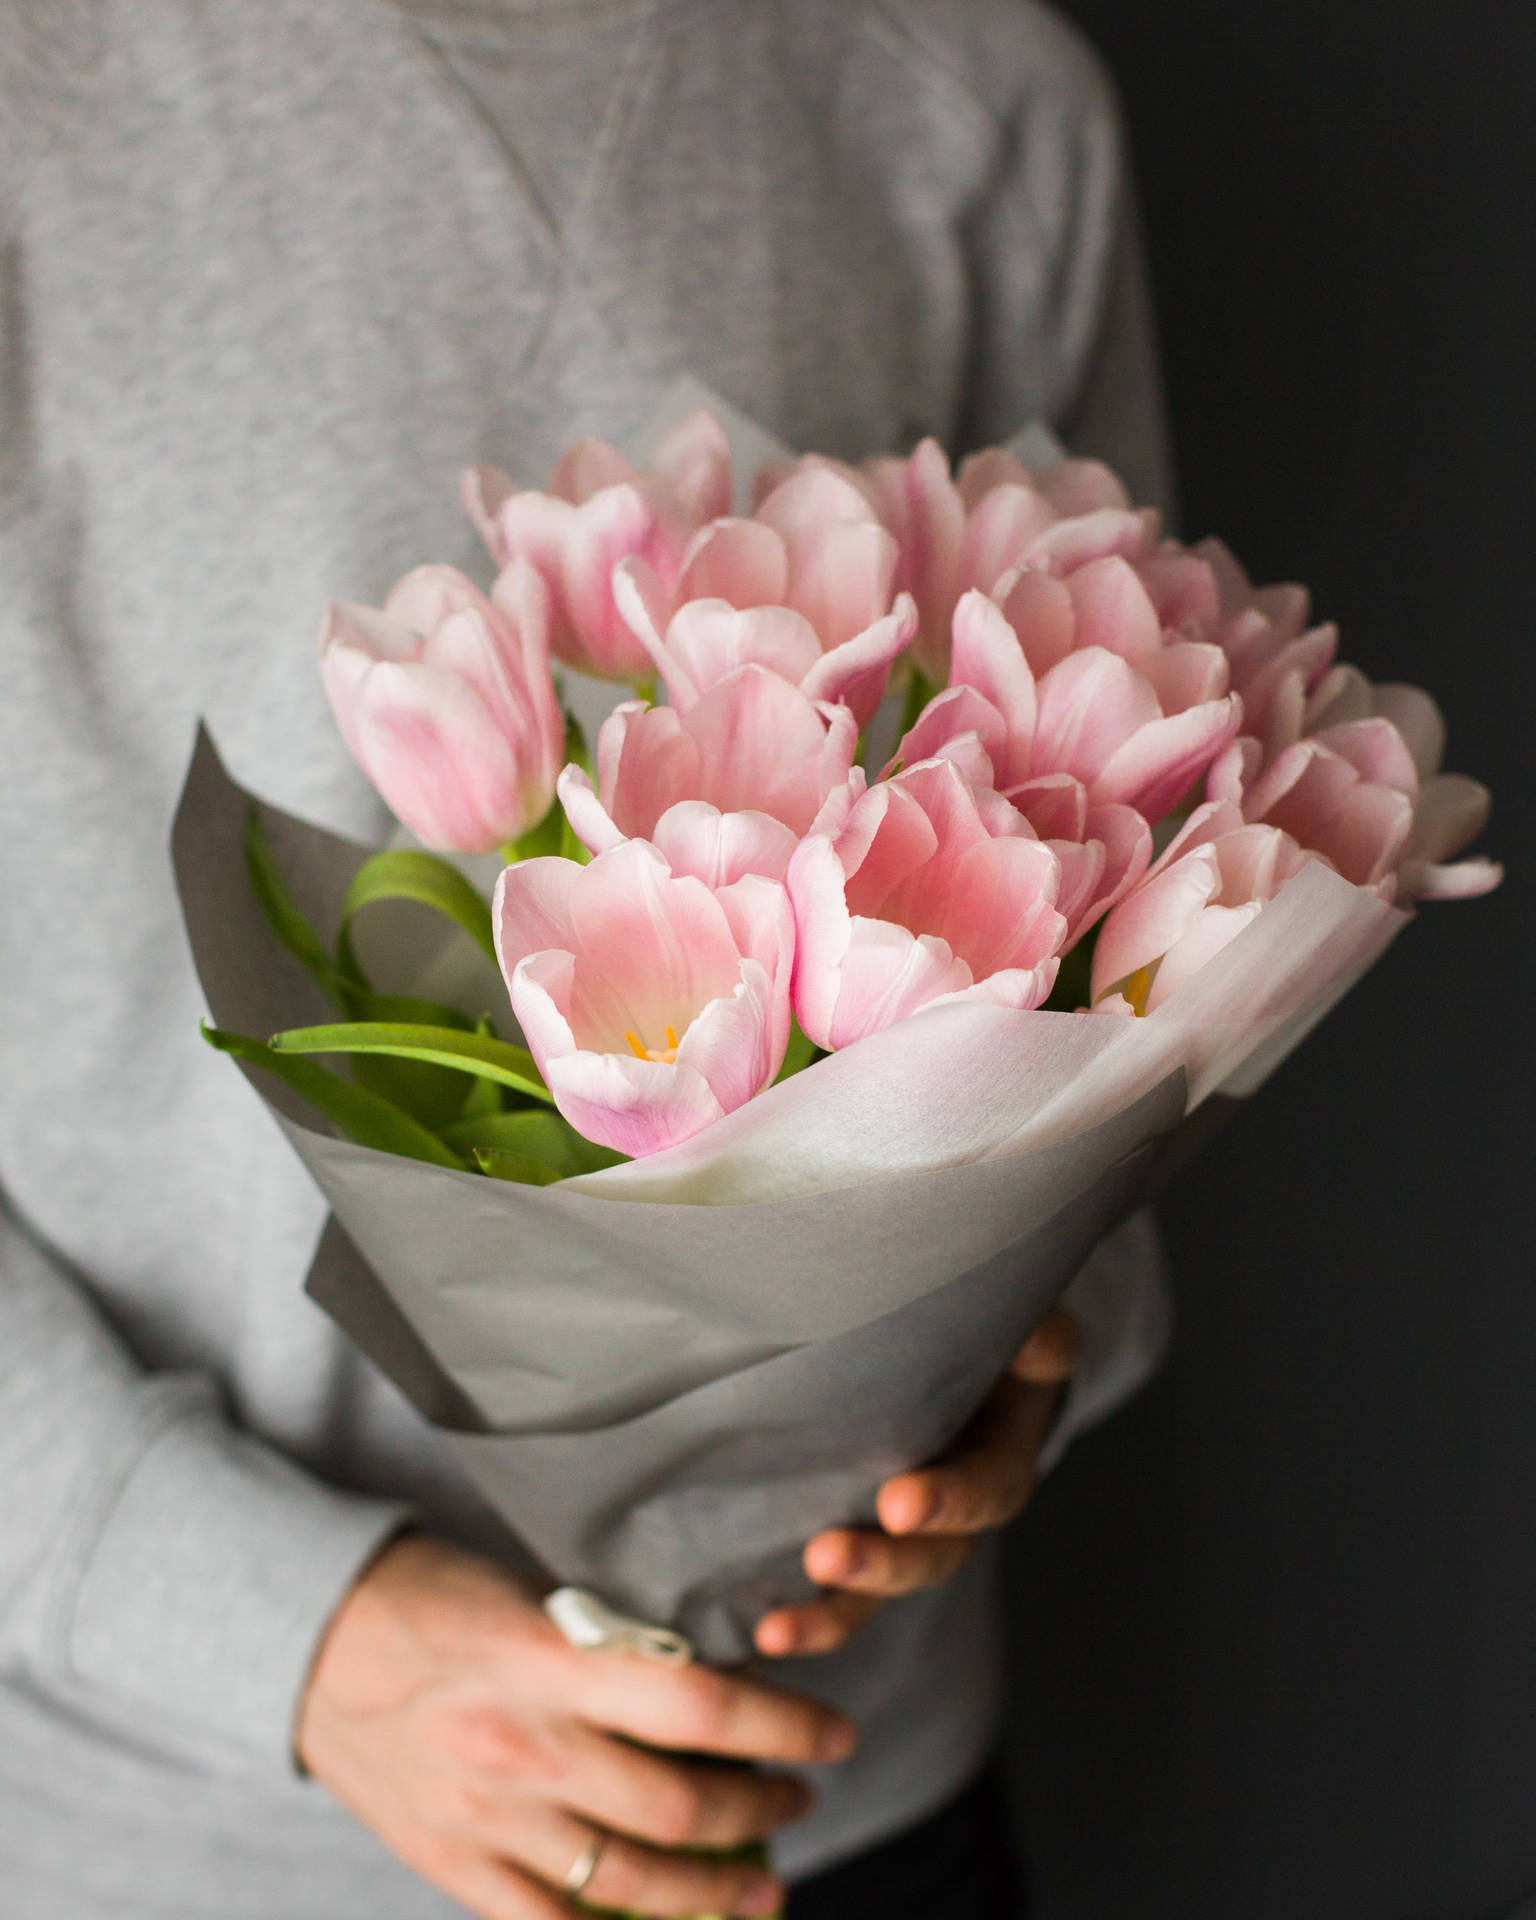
x=159 y=1568
x=152 y=1557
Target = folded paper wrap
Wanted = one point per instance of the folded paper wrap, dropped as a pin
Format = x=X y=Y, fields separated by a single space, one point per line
x=668 y=1375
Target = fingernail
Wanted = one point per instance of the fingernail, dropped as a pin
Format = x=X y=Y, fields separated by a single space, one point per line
x=914 y=1509
x=853 y=1558
x=838 y=1742
x=760 y=1896
x=774 y=1635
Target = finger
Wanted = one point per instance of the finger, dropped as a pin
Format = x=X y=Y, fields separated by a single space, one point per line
x=817 y=1627
x=696 y=1710
x=873 y=1563
x=498 y=1891
x=671 y=1803
x=991 y=1478
x=1052 y=1351
x=632 y=1878
x=483 y=1884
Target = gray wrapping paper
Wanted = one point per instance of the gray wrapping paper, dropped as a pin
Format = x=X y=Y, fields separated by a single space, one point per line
x=666 y=1399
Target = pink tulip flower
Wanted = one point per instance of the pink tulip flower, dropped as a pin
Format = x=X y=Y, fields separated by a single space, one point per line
x=1353 y=772
x=1277 y=659
x=654 y=1004
x=729 y=785
x=1211 y=882
x=446 y=701
x=918 y=890
x=597 y=511
x=1079 y=698
x=810 y=581
x=993 y=517
x=707 y=639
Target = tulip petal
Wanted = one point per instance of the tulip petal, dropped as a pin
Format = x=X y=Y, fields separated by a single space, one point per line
x=988 y=656
x=1114 y=611
x=634 y=1106
x=1091 y=705
x=814 y=496
x=429 y=744
x=651 y=949
x=856 y=673
x=997 y=908
x=1071 y=544
x=589 y=818
x=1366 y=836
x=823 y=929
x=986 y=469
x=1148 y=922
x=842 y=578
x=741 y=562
x=709 y=640
x=1076 y=487
x=732 y=1045
x=693 y=460
x=887 y=974
x=1452 y=811
x=761 y=744
x=646 y=762
x=613 y=524
x=585 y=468
x=1214 y=928
x=1002 y=530
x=1466 y=880
x=1182 y=588
x=1187 y=673
x=1160 y=761
x=531 y=912
x=719 y=848
x=1039 y=609
x=958 y=713
x=483 y=491
x=1376 y=751
x=1054 y=804
x=1419 y=720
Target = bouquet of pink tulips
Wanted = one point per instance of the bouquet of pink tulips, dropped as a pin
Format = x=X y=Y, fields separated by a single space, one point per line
x=839 y=1004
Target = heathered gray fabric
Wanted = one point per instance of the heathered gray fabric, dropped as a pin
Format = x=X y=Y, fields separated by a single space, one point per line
x=269 y=275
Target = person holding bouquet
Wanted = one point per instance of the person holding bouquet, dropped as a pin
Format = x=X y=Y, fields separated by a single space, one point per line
x=269 y=278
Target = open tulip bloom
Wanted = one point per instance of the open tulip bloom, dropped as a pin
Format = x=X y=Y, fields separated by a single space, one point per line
x=713 y=1169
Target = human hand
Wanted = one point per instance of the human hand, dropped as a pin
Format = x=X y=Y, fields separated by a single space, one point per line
x=453 y=1719
x=929 y=1518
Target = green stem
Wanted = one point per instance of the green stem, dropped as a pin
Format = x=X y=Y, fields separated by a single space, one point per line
x=920 y=690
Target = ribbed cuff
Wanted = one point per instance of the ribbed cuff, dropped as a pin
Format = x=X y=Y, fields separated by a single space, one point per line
x=208 y=1582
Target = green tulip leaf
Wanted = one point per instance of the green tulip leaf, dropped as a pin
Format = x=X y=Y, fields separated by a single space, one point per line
x=501 y=1164
x=407 y=873
x=802 y=1052
x=289 y=926
x=534 y=1134
x=362 y=1115
x=475 y=1053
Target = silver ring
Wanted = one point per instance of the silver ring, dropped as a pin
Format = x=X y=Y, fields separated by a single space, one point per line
x=579 y=1875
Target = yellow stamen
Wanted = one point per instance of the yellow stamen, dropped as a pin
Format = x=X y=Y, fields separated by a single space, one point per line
x=663 y=1056
x=1137 y=989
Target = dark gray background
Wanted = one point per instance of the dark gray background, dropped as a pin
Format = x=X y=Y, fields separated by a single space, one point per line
x=1278 y=1620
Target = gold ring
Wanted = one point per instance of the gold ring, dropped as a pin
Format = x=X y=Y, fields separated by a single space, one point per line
x=579 y=1875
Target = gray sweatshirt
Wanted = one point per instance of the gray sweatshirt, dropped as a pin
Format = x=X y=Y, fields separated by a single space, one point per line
x=269 y=275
